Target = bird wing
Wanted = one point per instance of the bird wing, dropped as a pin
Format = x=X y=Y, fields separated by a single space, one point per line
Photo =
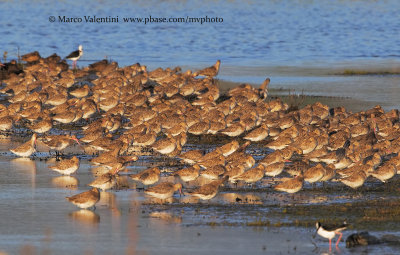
x=161 y=188
x=143 y=176
x=332 y=227
x=73 y=54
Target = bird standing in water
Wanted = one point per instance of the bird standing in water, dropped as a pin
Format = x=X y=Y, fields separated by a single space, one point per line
x=75 y=55
x=85 y=199
x=330 y=232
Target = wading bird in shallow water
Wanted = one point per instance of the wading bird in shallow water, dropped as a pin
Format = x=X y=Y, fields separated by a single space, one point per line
x=148 y=176
x=75 y=55
x=26 y=149
x=330 y=232
x=291 y=186
x=66 y=166
x=210 y=190
x=107 y=180
x=85 y=199
x=164 y=190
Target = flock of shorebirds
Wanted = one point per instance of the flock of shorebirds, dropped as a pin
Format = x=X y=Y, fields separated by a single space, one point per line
x=114 y=111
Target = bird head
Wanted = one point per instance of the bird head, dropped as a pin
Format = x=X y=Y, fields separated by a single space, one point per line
x=317 y=226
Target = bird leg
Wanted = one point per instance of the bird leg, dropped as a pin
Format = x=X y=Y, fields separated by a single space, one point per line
x=330 y=245
x=340 y=236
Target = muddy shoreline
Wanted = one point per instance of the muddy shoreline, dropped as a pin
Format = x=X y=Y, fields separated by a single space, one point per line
x=256 y=210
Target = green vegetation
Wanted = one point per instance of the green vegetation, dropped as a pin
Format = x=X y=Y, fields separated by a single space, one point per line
x=350 y=72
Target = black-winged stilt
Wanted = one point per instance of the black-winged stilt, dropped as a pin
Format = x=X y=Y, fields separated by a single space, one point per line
x=74 y=56
x=330 y=231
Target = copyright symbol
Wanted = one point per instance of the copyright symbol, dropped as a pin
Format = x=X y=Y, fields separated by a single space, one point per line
x=52 y=19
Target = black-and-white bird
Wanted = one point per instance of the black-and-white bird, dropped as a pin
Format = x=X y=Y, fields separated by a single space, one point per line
x=330 y=231
x=74 y=56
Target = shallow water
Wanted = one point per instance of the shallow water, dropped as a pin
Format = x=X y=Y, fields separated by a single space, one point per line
x=253 y=33
x=368 y=90
x=298 y=48
x=35 y=217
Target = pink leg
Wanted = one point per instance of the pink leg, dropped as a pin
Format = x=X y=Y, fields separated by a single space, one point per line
x=330 y=245
x=74 y=64
x=340 y=237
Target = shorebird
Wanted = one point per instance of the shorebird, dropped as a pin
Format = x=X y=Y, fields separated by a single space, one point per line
x=280 y=143
x=148 y=176
x=329 y=232
x=164 y=190
x=80 y=92
x=263 y=90
x=251 y=176
x=75 y=55
x=106 y=157
x=66 y=166
x=191 y=157
x=26 y=149
x=274 y=169
x=210 y=190
x=165 y=145
x=291 y=185
x=60 y=142
x=42 y=126
x=6 y=123
x=271 y=158
x=384 y=172
x=108 y=180
x=229 y=148
x=314 y=173
x=85 y=199
x=209 y=71
x=355 y=180
x=258 y=134
x=213 y=172
x=188 y=174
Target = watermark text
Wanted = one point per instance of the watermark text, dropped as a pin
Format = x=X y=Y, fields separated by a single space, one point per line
x=140 y=20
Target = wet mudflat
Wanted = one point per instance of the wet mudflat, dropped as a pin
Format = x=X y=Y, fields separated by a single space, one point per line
x=221 y=128
x=36 y=219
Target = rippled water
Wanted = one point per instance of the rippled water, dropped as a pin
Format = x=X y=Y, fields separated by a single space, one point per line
x=256 y=39
x=253 y=33
x=36 y=219
x=278 y=39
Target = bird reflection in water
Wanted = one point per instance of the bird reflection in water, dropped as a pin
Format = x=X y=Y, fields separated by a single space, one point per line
x=26 y=165
x=166 y=216
x=65 y=181
x=122 y=182
x=109 y=200
x=154 y=200
x=247 y=198
x=86 y=217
